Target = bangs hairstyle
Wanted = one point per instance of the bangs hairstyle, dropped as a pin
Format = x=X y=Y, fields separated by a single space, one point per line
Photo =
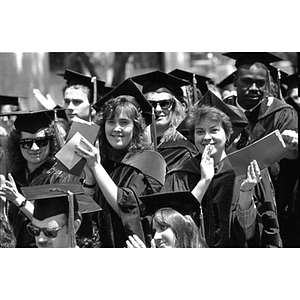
x=185 y=230
x=202 y=112
x=15 y=159
x=113 y=108
x=81 y=87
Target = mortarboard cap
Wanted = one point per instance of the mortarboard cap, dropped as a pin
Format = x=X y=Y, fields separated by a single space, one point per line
x=128 y=88
x=106 y=90
x=9 y=100
x=274 y=74
x=33 y=121
x=154 y=80
x=238 y=123
x=201 y=80
x=226 y=81
x=291 y=81
x=52 y=199
x=74 y=78
x=183 y=201
x=252 y=57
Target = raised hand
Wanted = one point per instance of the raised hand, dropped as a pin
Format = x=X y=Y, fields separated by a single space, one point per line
x=253 y=177
x=207 y=164
x=135 y=242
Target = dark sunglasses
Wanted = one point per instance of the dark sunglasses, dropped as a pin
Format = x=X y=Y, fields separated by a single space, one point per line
x=40 y=142
x=164 y=104
x=50 y=233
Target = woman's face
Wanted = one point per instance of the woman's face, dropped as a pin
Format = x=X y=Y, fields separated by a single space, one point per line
x=119 y=131
x=164 y=237
x=38 y=150
x=163 y=103
x=211 y=132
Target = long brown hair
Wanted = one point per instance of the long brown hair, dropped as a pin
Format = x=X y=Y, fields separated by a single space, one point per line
x=113 y=108
x=185 y=229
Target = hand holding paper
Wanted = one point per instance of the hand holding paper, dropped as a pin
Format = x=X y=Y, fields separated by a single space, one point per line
x=266 y=151
x=88 y=151
x=68 y=160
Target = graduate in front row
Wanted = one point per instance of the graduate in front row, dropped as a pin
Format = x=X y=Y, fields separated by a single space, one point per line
x=125 y=167
x=228 y=203
x=57 y=213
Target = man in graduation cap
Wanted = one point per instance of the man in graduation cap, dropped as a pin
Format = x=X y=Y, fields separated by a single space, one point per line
x=57 y=213
x=80 y=93
x=265 y=113
x=161 y=90
x=7 y=105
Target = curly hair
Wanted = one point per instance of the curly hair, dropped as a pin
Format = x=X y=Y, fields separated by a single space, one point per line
x=15 y=159
x=114 y=107
x=184 y=228
x=200 y=112
x=7 y=237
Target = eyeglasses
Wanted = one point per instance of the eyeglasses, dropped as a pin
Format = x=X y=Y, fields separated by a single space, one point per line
x=164 y=104
x=50 y=233
x=40 y=142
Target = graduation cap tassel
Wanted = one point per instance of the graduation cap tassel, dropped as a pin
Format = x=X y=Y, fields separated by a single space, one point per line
x=153 y=129
x=279 y=84
x=202 y=231
x=71 y=220
x=195 y=88
x=94 y=81
x=58 y=136
x=268 y=85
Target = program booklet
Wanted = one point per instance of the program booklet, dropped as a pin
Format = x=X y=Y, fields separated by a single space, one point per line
x=266 y=151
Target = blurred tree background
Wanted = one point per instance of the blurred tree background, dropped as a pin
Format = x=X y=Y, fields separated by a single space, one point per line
x=21 y=72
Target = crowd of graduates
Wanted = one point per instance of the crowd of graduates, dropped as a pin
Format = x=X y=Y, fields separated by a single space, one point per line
x=156 y=172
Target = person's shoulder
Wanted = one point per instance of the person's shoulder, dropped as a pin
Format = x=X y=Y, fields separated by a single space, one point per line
x=273 y=105
x=149 y=162
x=192 y=165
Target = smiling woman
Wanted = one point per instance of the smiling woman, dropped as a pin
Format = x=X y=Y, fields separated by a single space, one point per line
x=124 y=167
x=227 y=201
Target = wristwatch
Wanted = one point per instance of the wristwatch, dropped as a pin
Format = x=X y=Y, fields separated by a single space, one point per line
x=23 y=203
x=89 y=186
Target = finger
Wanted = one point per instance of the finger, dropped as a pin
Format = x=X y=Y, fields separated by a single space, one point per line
x=153 y=244
x=11 y=179
x=129 y=244
x=133 y=242
x=206 y=152
x=139 y=241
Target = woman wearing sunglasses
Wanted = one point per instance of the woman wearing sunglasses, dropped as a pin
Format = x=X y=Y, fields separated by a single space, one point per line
x=30 y=156
x=162 y=90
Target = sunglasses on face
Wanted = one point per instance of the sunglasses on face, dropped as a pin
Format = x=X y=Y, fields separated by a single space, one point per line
x=40 y=142
x=50 y=233
x=164 y=104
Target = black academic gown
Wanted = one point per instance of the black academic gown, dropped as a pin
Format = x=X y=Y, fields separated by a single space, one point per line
x=219 y=205
x=44 y=174
x=135 y=176
x=176 y=152
x=270 y=115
